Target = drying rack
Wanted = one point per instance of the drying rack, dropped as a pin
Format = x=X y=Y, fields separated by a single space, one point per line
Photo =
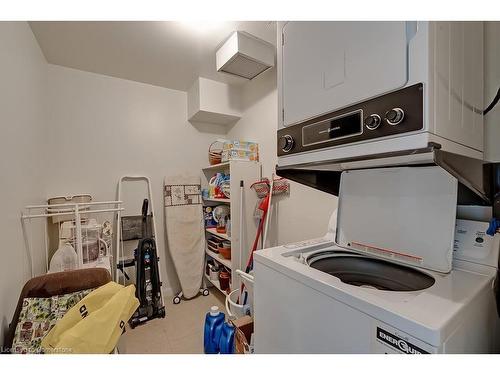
x=77 y=210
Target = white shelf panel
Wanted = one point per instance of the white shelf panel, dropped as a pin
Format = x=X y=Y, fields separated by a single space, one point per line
x=220 y=200
x=219 y=258
x=213 y=231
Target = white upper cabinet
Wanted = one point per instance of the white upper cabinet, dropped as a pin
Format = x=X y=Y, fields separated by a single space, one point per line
x=324 y=65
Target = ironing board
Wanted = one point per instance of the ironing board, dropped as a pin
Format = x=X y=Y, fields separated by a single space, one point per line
x=185 y=232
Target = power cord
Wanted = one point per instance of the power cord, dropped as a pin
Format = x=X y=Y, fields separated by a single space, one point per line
x=493 y=103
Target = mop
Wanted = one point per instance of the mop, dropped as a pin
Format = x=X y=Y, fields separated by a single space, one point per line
x=265 y=190
x=278 y=186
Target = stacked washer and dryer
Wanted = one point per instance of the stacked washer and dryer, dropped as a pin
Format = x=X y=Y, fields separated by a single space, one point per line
x=388 y=117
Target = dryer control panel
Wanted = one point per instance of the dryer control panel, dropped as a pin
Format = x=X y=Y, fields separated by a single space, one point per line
x=398 y=112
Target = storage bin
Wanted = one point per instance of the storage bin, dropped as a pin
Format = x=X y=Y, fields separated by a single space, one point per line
x=80 y=198
x=224 y=278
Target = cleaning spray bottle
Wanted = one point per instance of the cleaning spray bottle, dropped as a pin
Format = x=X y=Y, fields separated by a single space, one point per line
x=214 y=321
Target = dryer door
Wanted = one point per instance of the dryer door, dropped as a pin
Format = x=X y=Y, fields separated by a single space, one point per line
x=329 y=65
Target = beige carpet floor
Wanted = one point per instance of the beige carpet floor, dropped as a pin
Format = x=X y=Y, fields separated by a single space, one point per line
x=181 y=332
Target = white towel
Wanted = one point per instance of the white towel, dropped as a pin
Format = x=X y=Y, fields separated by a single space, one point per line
x=185 y=230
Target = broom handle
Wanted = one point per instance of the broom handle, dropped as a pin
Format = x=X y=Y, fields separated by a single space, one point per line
x=266 y=227
x=241 y=231
x=242 y=222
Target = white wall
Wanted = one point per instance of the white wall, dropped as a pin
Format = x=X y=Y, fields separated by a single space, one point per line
x=103 y=127
x=22 y=123
x=491 y=85
x=305 y=213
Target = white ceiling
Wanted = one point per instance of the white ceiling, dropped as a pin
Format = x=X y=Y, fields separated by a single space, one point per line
x=166 y=53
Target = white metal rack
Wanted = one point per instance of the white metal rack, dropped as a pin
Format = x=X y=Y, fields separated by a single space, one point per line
x=77 y=210
x=243 y=226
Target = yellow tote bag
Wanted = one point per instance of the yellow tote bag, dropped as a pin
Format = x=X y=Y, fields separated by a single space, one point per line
x=94 y=324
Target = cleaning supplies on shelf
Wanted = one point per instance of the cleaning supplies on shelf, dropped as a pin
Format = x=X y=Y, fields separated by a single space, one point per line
x=221 y=225
x=204 y=193
x=214 y=270
x=64 y=259
x=208 y=216
x=219 y=186
x=214 y=321
x=240 y=150
x=232 y=150
x=221 y=215
x=225 y=187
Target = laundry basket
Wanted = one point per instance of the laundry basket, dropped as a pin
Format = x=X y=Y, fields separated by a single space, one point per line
x=236 y=308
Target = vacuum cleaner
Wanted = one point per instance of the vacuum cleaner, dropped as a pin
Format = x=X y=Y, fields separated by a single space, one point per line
x=147 y=271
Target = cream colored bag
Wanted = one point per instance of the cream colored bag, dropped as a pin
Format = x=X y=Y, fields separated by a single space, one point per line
x=94 y=324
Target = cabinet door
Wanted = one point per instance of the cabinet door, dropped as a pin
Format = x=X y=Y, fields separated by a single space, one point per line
x=329 y=65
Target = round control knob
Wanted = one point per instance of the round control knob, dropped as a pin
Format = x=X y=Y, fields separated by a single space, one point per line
x=286 y=143
x=373 y=121
x=395 y=116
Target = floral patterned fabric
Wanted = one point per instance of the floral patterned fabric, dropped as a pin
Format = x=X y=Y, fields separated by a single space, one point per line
x=38 y=316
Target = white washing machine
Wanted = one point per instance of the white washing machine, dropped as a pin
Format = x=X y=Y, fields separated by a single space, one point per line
x=391 y=276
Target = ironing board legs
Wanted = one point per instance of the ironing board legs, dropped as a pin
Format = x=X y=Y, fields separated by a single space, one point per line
x=178 y=297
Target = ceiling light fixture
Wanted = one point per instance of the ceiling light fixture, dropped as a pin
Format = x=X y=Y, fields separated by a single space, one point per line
x=201 y=26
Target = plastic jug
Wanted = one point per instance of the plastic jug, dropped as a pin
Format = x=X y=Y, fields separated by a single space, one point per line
x=64 y=259
x=227 y=339
x=213 y=327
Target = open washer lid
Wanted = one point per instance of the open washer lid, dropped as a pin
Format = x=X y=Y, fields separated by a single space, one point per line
x=404 y=214
x=368 y=272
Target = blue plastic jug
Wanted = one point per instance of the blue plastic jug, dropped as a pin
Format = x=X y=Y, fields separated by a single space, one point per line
x=227 y=339
x=213 y=327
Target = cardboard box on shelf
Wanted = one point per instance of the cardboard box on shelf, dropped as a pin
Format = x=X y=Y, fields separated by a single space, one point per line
x=240 y=150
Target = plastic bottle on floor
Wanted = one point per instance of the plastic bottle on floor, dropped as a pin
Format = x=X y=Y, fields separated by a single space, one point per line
x=227 y=339
x=214 y=321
